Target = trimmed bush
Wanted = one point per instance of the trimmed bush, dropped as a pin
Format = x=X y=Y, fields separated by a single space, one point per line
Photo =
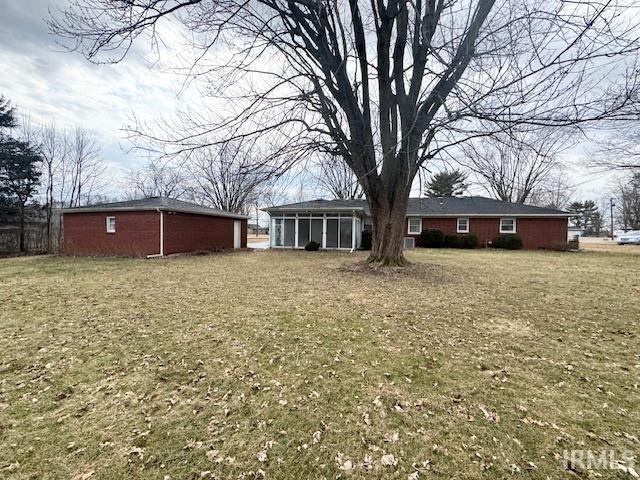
x=468 y=241
x=452 y=241
x=367 y=240
x=507 y=241
x=312 y=246
x=431 y=238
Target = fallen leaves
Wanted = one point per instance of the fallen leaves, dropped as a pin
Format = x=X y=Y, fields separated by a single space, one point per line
x=488 y=415
x=388 y=460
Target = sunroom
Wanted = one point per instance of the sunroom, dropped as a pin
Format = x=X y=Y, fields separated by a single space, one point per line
x=331 y=230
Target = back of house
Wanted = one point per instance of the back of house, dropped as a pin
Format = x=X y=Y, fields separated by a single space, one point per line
x=339 y=224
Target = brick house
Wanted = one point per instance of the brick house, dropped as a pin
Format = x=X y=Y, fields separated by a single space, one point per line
x=338 y=224
x=150 y=227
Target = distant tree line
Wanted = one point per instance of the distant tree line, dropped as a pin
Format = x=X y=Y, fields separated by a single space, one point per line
x=45 y=167
x=19 y=167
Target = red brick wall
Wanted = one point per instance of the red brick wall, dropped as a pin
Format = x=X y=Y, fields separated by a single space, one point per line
x=535 y=232
x=185 y=232
x=137 y=233
x=542 y=232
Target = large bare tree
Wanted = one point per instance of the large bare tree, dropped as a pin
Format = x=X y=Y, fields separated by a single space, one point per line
x=514 y=166
x=231 y=176
x=386 y=84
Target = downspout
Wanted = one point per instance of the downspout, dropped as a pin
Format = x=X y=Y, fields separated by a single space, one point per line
x=161 y=254
x=353 y=232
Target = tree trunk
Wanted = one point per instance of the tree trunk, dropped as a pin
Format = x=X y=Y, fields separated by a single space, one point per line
x=388 y=231
x=22 y=229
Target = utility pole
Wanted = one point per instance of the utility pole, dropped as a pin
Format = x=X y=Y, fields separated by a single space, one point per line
x=612 y=205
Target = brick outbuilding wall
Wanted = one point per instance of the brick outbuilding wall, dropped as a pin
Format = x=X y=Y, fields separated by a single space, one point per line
x=137 y=233
x=186 y=232
x=535 y=232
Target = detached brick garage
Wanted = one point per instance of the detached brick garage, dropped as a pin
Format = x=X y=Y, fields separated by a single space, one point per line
x=150 y=227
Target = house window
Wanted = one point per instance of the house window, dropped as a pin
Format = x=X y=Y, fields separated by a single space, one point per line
x=414 y=226
x=111 y=224
x=507 y=225
x=463 y=225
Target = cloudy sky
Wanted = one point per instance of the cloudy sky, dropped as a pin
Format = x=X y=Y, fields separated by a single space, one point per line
x=52 y=85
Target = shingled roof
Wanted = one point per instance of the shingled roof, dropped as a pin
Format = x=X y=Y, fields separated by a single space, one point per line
x=154 y=203
x=430 y=207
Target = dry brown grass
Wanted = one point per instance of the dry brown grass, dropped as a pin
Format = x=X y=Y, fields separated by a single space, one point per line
x=606 y=245
x=470 y=364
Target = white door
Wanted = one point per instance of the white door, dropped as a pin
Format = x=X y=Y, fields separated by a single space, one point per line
x=236 y=234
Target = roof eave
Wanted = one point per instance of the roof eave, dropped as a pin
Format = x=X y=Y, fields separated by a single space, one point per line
x=152 y=209
x=506 y=214
x=312 y=209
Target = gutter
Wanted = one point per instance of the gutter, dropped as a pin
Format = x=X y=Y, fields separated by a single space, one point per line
x=161 y=254
x=421 y=215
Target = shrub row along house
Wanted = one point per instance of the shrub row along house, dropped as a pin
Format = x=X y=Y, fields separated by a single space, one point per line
x=339 y=224
x=149 y=227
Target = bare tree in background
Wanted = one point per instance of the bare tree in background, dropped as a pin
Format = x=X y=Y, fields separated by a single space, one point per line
x=620 y=150
x=554 y=192
x=628 y=203
x=387 y=85
x=83 y=169
x=54 y=151
x=337 y=178
x=513 y=166
x=158 y=179
x=230 y=176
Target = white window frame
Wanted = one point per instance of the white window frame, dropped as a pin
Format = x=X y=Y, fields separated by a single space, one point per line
x=515 y=228
x=460 y=230
x=108 y=227
x=409 y=231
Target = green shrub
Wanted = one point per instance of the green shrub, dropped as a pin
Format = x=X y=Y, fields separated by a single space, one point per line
x=507 y=241
x=431 y=238
x=367 y=239
x=468 y=241
x=312 y=246
x=452 y=241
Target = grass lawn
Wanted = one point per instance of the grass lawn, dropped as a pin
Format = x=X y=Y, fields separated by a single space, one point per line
x=469 y=364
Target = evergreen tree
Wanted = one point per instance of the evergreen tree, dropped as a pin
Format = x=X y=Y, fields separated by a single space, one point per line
x=588 y=217
x=447 y=184
x=7 y=114
x=19 y=168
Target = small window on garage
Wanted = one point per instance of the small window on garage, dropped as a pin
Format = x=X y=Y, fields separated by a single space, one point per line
x=507 y=225
x=415 y=226
x=463 y=225
x=111 y=224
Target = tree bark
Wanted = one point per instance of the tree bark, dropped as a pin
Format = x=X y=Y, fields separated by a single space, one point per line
x=388 y=220
x=22 y=229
